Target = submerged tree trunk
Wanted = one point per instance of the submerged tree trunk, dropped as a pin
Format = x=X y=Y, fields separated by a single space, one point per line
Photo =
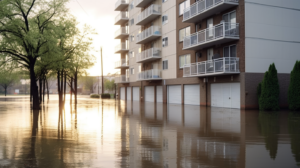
x=65 y=86
x=71 y=90
x=75 y=86
x=44 y=88
x=34 y=90
x=59 y=90
x=41 y=88
x=47 y=88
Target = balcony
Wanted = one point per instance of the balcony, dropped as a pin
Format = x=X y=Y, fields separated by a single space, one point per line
x=121 y=18
x=205 y=8
x=148 y=35
x=123 y=63
x=148 y=55
x=143 y=3
x=149 y=14
x=121 y=48
x=220 y=66
x=121 y=33
x=152 y=74
x=222 y=33
x=122 y=79
x=121 y=5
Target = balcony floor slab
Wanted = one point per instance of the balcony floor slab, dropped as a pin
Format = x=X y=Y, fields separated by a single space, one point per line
x=122 y=67
x=144 y=3
x=122 y=7
x=121 y=36
x=210 y=12
x=213 y=74
x=212 y=43
x=121 y=51
x=149 y=59
x=149 y=79
x=121 y=21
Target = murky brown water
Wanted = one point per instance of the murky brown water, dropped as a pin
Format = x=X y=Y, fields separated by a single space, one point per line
x=117 y=134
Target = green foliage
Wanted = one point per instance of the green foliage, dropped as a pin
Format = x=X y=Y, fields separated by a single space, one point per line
x=269 y=128
x=259 y=90
x=105 y=96
x=269 y=97
x=95 y=96
x=88 y=82
x=8 y=77
x=109 y=85
x=294 y=88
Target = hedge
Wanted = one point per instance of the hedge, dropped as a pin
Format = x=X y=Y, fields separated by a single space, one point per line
x=95 y=96
x=105 y=96
x=294 y=88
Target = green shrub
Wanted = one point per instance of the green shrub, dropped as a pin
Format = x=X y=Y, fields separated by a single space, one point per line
x=95 y=96
x=105 y=96
x=294 y=88
x=269 y=98
x=259 y=90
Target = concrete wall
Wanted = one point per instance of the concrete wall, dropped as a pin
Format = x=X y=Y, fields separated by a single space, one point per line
x=272 y=34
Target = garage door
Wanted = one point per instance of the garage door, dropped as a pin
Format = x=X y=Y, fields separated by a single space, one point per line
x=136 y=93
x=226 y=95
x=122 y=93
x=128 y=93
x=174 y=94
x=159 y=94
x=192 y=94
x=149 y=93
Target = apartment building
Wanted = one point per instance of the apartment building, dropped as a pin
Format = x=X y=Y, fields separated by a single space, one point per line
x=204 y=52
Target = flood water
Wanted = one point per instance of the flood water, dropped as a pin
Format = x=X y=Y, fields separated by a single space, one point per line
x=109 y=133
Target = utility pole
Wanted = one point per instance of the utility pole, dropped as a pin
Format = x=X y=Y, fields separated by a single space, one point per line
x=102 y=72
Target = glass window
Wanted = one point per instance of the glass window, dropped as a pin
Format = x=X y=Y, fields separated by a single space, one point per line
x=230 y=51
x=132 y=38
x=132 y=22
x=164 y=1
x=131 y=6
x=164 y=19
x=184 y=5
x=131 y=54
x=184 y=32
x=165 y=64
x=132 y=71
x=184 y=59
x=165 y=42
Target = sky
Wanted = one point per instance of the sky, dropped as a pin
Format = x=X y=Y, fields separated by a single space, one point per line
x=100 y=15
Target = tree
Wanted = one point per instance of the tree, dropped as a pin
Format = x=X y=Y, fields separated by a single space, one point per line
x=294 y=88
x=109 y=85
x=28 y=31
x=8 y=77
x=269 y=98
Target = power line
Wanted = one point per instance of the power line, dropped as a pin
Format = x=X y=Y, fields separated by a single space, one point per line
x=82 y=8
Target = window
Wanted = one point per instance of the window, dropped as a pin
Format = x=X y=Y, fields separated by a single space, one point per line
x=184 y=5
x=131 y=54
x=132 y=71
x=164 y=19
x=163 y=1
x=230 y=51
x=230 y=18
x=132 y=38
x=184 y=32
x=132 y=21
x=165 y=64
x=131 y=6
x=140 y=68
x=184 y=59
x=165 y=42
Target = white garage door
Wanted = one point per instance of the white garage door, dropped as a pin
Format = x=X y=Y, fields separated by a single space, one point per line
x=159 y=94
x=128 y=93
x=122 y=93
x=226 y=95
x=149 y=93
x=192 y=94
x=174 y=94
x=136 y=93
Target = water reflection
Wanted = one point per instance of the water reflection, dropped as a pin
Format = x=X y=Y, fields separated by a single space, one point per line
x=132 y=134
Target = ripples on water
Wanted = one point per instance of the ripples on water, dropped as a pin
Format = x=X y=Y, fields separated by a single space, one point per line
x=119 y=134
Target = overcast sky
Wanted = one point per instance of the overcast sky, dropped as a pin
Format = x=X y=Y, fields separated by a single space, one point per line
x=100 y=15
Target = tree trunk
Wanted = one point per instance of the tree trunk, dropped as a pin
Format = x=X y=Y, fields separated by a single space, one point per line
x=5 y=89
x=44 y=88
x=71 y=91
x=75 y=83
x=65 y=86
x=41 y=88
x=34 y=90
x=47 y=88
x=59 y=90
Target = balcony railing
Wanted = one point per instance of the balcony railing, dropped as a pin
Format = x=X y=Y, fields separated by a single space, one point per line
x=149 y=34
x=123 y=47
x=148 y=55
x=121 y=33
x=121 y=4
x=201 y=39
x=121 y=18
x=143 y=3
x=225 y=65
x=149 y=14
x=206 y=8
x=122 y=79
x=123 y=63
x=153 y=74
